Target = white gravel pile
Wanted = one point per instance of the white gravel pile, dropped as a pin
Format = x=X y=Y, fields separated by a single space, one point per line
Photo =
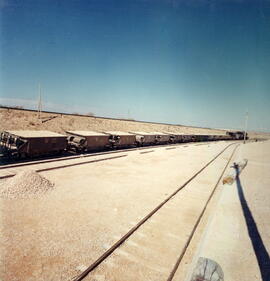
x=25 y=184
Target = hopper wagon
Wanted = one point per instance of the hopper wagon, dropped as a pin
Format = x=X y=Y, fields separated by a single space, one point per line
x=172 y=137
x=144 y=138
x=202 y=137
x=212 y=137
x=139 y=138
x=220 y=137
x=226 y=137
x=121 y=139
x=209 y=137
x=22 y=144
x=161 y=137
x=190 y=138
x=82 y=141
x=178 y=138
x=183 y=138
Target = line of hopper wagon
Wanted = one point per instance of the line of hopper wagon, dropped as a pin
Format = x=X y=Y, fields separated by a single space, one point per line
x=29 y=144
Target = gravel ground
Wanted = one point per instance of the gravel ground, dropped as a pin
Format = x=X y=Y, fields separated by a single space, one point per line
x=54 y=237
x=24 y=185
x=152 y=251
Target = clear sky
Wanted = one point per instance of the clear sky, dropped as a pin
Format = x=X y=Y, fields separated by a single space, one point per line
x=193 y=62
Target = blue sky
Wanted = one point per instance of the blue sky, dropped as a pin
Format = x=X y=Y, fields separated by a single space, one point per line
x=193 y=62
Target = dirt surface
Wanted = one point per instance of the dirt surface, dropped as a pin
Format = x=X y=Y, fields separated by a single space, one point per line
x=27 y=120
x=25 y=184
x=56 y=236
x=151 y=252
x=16 y=119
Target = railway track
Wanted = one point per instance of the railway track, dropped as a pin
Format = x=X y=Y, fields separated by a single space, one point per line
x=6 y=165
x=57 y=159
x=139 y=231
x=65 y=165
x=12 y=169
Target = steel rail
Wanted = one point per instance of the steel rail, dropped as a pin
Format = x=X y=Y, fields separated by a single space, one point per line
x=171 y=276
x=148 y=151
x=63 y=158
x=69 y=165
x=173 y=146
x=57 y=159
x=91 y=154
x=107 y=253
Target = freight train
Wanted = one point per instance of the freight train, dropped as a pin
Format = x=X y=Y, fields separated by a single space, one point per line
x=29 y=144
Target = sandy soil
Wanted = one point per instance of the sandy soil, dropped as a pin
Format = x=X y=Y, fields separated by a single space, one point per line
x=27 y=120
x=12 y=119
x=53 y=237
x=151 y=253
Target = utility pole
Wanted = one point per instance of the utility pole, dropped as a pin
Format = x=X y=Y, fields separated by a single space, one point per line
x=39 y=102
x=246 y=124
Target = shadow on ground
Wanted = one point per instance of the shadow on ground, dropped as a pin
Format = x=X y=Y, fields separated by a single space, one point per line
x=254 y=234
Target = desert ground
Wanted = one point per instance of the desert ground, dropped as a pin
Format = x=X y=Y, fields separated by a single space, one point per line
x=52 y=236
x=17 y=119
x=55 y=224
x=12 y=119
x=57 y=234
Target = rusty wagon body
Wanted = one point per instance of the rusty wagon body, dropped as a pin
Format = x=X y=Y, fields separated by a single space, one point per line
x=81 y=141
x=120 y=139
x=181 y=138
x=32 y=143
x=162 y=138
x=145 y=138
x=172 y=137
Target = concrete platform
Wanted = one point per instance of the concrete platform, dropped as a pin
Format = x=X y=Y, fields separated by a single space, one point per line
x=238 y=234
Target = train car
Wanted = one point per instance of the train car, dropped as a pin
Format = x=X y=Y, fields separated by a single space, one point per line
x=172 y=137
x=214 y=137
x=177 y=138
x=209 y=137
x=201 y=137
x=161 y=138
x=24 y=144
x=145 y=138
x=226 y=137
x=140 y=138
x=219 y=137
x=121 y=139
x=188 y=138
x=82 y=141
x=182 y=138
